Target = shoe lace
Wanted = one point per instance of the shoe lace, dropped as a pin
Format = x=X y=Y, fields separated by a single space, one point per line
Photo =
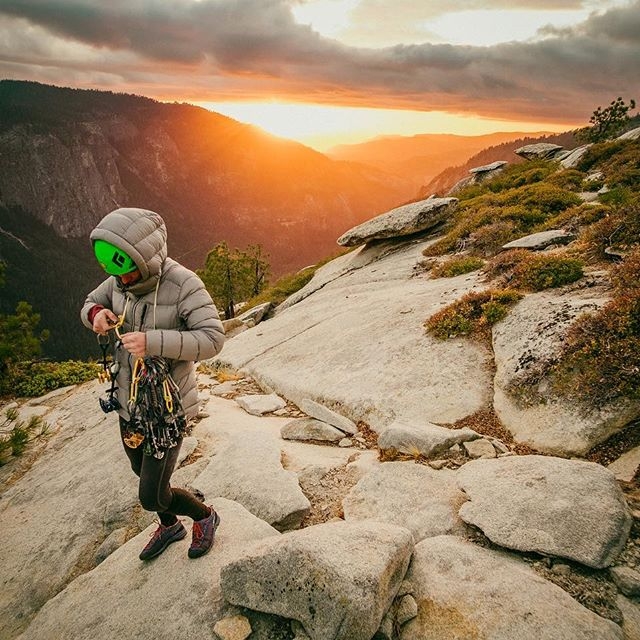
x=198 y=531
x=158 y=532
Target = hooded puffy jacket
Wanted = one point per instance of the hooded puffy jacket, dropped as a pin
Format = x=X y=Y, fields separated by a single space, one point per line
x=169 y=303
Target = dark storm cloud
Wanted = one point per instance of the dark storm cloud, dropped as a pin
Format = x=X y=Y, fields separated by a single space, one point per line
x=244 y=46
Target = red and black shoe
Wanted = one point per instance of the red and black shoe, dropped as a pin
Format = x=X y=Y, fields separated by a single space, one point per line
x=161 y=538
x=203 y=534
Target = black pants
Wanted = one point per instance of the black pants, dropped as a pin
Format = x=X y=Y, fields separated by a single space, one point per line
x=155 y=492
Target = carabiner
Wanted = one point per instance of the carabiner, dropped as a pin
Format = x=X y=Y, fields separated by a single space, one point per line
x=168 y=399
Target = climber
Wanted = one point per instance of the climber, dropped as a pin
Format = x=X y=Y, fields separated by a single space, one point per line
x=165 y=321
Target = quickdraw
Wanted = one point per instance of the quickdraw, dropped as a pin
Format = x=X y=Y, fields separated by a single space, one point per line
x=108 y=374
x=110 y=367
x=155 y=406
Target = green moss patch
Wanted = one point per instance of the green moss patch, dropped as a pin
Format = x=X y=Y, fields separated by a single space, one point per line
x=456 y=266
x=474 y=313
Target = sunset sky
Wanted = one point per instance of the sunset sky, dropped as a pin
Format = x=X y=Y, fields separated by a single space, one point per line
x=330 y=71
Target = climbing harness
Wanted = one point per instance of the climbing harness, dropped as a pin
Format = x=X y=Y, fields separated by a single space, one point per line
x=155 y=406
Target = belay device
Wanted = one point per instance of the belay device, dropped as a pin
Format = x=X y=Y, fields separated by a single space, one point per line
x=155 y=407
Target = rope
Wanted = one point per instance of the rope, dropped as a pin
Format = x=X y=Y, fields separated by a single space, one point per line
x=155 y=406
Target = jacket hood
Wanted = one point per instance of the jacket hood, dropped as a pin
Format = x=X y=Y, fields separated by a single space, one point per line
x=140 y=233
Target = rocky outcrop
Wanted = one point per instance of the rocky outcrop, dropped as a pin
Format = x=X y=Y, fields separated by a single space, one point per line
x=320 y=412
x=305 y=575
x=464 y=591
x=166 y=598
x=409 y=495
x=310 y=429
x=360 y=337
x=539 y=151
x=258 y=405
x=76 y=493
x=632 y=134
x=479 y=175
x=523 y=343
x=541 y=240
x=571 y=160
x=403 y=221
x=565 y=508
x=428 y=440
x=251 y=473
x=626 y=466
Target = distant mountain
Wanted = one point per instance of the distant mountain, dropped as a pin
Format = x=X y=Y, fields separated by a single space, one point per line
x=441 y=184
x=421 y=157
x=68 y=157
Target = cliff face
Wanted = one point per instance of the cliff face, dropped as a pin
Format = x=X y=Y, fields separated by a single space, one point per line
x=64 y=180
x=207 y=174
x=68 y=157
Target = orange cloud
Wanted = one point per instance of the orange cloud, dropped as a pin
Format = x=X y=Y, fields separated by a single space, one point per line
x=251 y=49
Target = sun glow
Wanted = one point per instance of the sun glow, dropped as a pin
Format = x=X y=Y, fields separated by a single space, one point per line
x=323 y=126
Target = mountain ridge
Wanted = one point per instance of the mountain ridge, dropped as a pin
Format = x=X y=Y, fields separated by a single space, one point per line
x=422 y=156
x=69 y=156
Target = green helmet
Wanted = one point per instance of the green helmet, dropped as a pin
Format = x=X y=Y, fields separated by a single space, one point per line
x=112 y=259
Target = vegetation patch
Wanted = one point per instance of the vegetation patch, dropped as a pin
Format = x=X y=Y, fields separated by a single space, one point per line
x=475 y=313
x=518 y=212
x=574 y=218
x=535 y=271
x=619 y=228
x=283 y=288
x=16 y=434
x=619 y=161
x=456 y=266
x=35 y=378
x=600 y=361
x=570 y=179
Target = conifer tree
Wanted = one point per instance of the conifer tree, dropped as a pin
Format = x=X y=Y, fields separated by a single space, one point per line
x=607 y=122
x=232 y=276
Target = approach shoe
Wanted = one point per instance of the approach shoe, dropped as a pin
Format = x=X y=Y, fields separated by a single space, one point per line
x=161 y=538
x=203 y=534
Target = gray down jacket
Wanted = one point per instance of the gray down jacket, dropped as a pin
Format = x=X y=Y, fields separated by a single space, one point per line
x=169 y=303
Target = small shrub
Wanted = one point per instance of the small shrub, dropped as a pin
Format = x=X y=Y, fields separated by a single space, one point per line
x=623 y=169
x=18 y=440
x=534 y=271
x=15 y=440
x=537 y=272
x=618 y=196
x=548 y=199
x=504 y=263
x=456 y=266
x=575 y=217
x=488 y=240
x=32 y=379
x=519 y=175
x=626 y=277
x=570 y=179
x=620 y=228
x=474 y=313
x=600 y=362
x=494 y=311
x=598 y=154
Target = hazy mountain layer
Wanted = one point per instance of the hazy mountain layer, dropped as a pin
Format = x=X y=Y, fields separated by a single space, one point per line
x=420 y=157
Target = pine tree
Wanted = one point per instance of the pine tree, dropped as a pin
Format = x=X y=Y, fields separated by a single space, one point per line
x=607 y=122
x=231 y=276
